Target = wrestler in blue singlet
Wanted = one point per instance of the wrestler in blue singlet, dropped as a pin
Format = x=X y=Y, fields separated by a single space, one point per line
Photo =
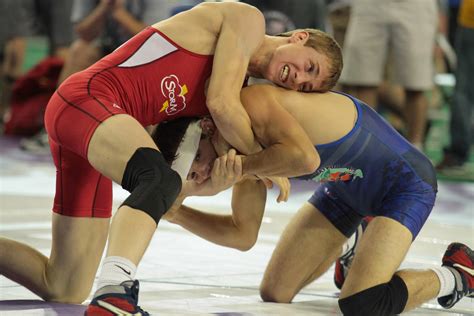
x=373 y=170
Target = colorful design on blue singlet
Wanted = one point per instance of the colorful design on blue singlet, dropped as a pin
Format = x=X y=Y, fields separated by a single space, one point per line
x=374 y=171
x=337 y=174
x=370 y=164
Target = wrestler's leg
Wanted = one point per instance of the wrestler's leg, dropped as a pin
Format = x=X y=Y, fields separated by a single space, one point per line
x=110 y=149
x=382 y=248
x=308 y=246
x=67 y=276
x=78 y=239
x=112 y=145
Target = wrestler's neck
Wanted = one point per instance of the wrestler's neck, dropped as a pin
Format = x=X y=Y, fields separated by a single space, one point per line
x=263 y=55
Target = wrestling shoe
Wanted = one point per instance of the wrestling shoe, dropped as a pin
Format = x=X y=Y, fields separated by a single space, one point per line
x=459 y=259
x=116 y=300
x=344 y=262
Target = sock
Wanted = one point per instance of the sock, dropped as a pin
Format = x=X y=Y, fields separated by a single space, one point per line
x=446 y=280
x=116 y=270
x=348 y=245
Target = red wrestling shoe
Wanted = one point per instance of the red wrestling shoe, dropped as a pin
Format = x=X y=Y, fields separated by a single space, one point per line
x=116 y=300
x=459 y=258
x=344 y=262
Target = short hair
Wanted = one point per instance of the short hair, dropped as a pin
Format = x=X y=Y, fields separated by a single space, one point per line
x=327 y=45
x=168 y=136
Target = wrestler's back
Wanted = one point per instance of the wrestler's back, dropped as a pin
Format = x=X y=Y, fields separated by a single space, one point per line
x=363 y=157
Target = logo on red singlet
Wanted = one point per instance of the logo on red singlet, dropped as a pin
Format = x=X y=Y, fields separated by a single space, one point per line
x=174 y=94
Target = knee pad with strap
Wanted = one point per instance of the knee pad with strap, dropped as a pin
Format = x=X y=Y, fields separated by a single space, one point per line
x=383 y=299
x=152 y=184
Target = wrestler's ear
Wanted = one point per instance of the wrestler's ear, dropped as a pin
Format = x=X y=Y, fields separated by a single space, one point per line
x=208 y=126
x=299 y=37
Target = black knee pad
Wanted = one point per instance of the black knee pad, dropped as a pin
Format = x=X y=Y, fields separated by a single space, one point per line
x=153 y=185
x=384 y=299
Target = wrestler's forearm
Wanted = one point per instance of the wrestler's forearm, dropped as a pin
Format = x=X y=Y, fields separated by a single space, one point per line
x=234 y=124
x=218 y=229
x=239 y=230
x=280 y=160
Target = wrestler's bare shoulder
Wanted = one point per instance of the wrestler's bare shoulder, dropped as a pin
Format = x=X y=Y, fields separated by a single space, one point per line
x=325 y=117
x=290 y=98
x=198 y=29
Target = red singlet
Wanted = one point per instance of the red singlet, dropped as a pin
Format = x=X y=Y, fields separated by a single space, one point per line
x=150 y=78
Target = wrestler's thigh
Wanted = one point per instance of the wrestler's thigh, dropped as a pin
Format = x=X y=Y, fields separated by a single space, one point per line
x=306 y=249
x=114 y=142
x=382 y=248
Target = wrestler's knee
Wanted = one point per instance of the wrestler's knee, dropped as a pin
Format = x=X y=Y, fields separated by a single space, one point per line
x=273 y=293
x=383 y=299
x=62 y=292
x=152 y=183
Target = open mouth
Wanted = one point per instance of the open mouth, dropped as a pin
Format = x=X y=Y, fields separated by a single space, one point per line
x=285 y=71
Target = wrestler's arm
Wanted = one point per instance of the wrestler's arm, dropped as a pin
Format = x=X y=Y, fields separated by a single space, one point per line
x=239 y=230
x=241 y=33
x=288 y=150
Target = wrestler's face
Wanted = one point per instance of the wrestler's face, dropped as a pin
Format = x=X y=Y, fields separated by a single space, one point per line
x=203 y=161
x=211 y=146
x=298 y=67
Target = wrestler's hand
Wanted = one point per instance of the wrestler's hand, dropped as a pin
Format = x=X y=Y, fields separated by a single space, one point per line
x=282 y=183
x=226 y=171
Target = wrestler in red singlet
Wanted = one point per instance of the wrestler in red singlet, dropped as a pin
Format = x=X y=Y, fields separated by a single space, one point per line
x=150 y=78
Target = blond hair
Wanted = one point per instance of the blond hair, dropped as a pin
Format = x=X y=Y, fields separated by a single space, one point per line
x=325 y=44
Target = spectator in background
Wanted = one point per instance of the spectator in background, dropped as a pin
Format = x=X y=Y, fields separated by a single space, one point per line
x=462 y=105
x=277 y=22
x=390 y=97
x=50 y=19
x=405 y=28
x=103 y=25
x=452 y=13
x=12 y=45
x=53 y=19
x=18 y=21
x=338 y=14
x=301 y=13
